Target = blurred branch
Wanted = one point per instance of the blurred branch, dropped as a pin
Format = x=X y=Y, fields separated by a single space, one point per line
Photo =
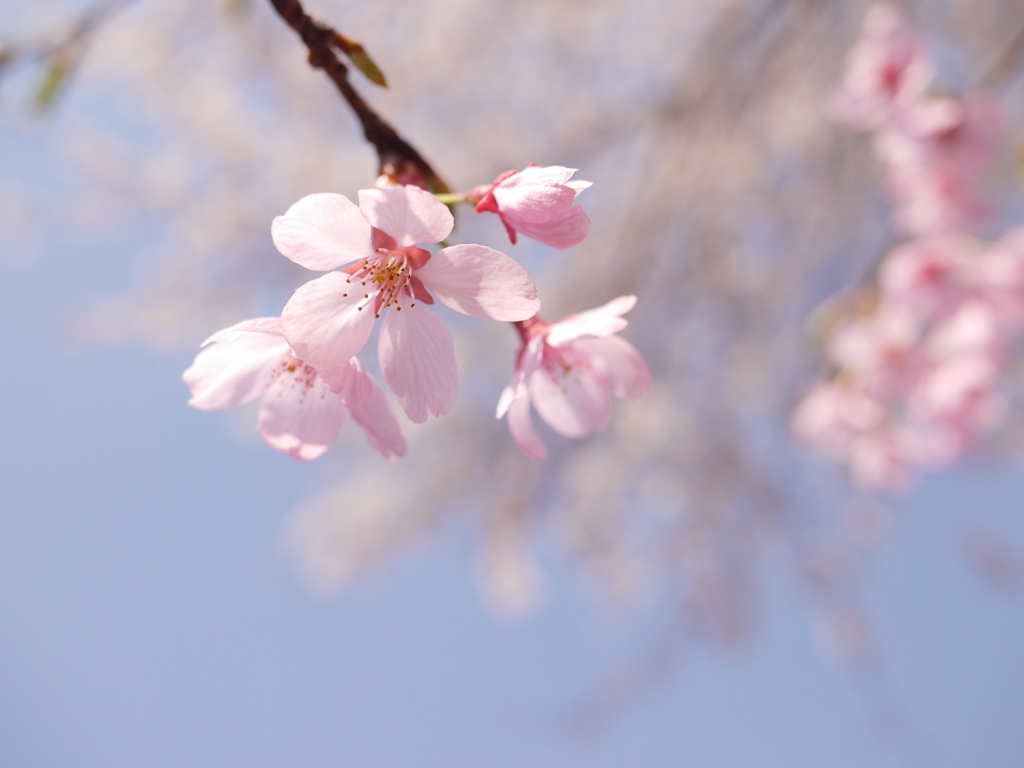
x=62 y=54
x=1003 y=65
x=398 y=159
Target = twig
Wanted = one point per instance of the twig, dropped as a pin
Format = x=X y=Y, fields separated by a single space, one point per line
x=1003 y=64
x=77 y=34
x=398 y=159
x=61 y=54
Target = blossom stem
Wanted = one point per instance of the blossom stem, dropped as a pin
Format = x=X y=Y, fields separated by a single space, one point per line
x=451 y=198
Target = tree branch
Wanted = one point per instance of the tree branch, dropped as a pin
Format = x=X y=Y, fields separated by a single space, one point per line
x=399 y=161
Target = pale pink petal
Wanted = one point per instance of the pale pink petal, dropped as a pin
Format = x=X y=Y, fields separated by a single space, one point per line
x=530 y=358
x=234 y=372
x=525 y=202
x=300 y=415
x=578 y=185
x=322 y=232
x=563 y=232
x=575 y=405
x=238 y=330
x=877 y=463
x=409 y=214
x=477 y=280
x=548 y=174
x=350 y=381
x=379 y=424
x=325 y=326
x=521 y=426
x=619 y=363
x=417 y=358
x=598 y=322
x=831 y=415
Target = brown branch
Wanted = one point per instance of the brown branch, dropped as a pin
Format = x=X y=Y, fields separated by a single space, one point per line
x=399 y=161
x=1004 y=63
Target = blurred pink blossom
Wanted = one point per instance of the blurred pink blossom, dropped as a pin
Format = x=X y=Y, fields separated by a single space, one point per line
x=880 y=351
x=832 y=415
x=935 y=156
x=569 y=370
x=886 y=71
x=299 y=414
x=928 y=277
x=1000 y=279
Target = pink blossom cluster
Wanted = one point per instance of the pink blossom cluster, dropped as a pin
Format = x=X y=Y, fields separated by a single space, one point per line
x=934 y=147
x=917 y=373
x=305 y=366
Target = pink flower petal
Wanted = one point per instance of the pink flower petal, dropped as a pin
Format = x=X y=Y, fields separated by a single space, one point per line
x=417 y=357
x=525 y=202
x=477 y=280
x=521 y=426
x=324 y=326
x=300 y=415
x=409 y=214
x=618 y=362
x=578 y=185
x=234 y=371
x=350 y=381
x=322 y=232
x=562 y=232
x=379 y=424
x=239 y=330
x=575 y=405
x=548 y=174
x=530 y=358
x=601 y=321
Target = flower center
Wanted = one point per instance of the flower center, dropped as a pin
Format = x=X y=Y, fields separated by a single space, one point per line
x=387 y=276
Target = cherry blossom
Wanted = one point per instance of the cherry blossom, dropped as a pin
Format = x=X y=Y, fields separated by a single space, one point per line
x=929 y=277
x=569 y=370
x=537 y=202
x=935 y=157
x=299 y=414
x=886 y=71
x=328 y=320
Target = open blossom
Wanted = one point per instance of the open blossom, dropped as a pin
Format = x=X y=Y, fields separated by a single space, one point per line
x=569 y=370
x=537 y=202
x=328 y=320
x=886 y=71
x=299 y=414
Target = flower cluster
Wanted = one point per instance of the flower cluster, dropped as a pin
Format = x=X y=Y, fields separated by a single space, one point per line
x=305 y=363
x=933 y=147
x=917 y=371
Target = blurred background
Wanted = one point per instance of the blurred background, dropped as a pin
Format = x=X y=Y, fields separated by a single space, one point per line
x=690 y=586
